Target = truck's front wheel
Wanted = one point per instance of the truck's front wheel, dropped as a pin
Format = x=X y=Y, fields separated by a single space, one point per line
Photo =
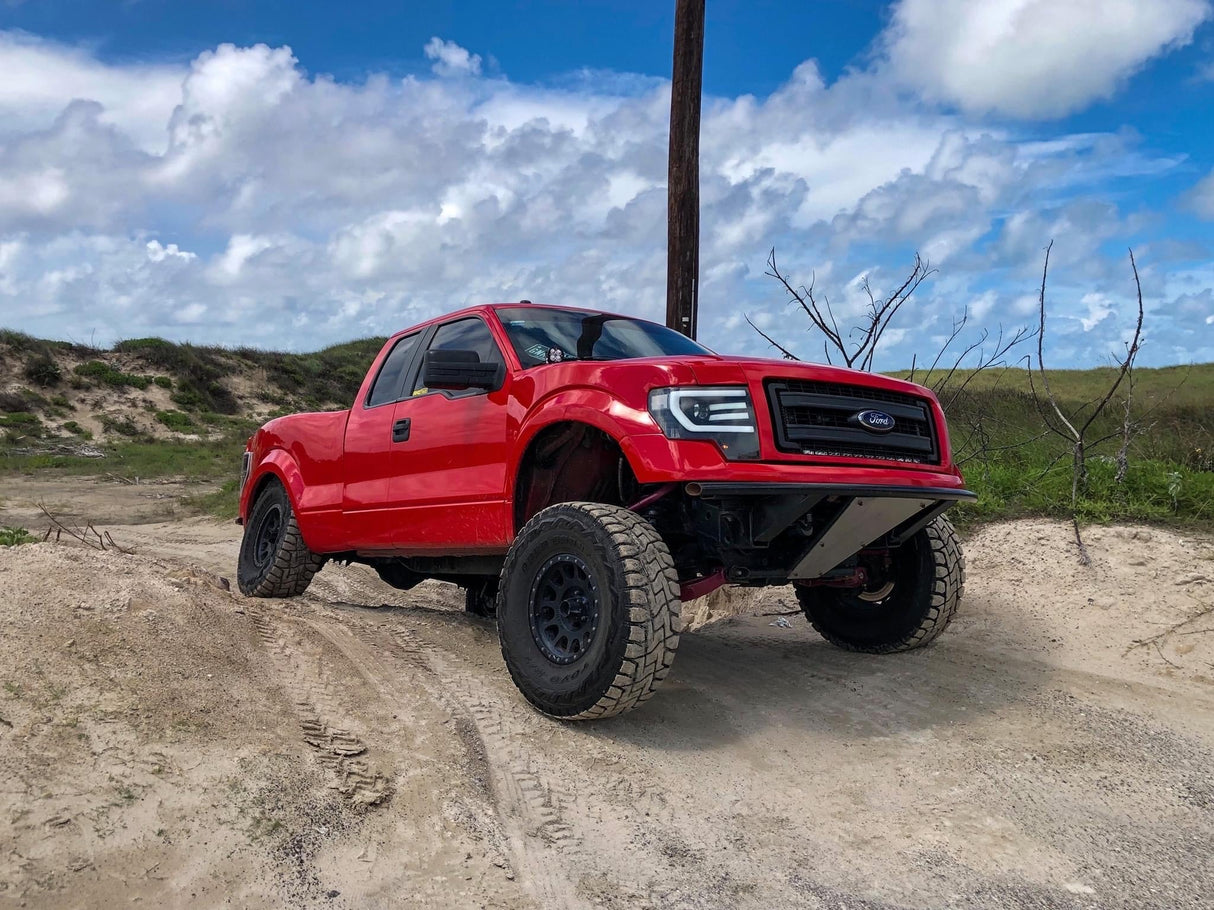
x=588 y=610
x=910 y=596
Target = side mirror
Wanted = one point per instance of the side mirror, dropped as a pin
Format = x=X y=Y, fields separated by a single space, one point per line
x=457 y=370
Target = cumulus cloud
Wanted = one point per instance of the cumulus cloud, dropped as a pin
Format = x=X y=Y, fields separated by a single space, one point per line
x=41 y=77
x=291 y=210
x=450 y=59
x=1031 y=58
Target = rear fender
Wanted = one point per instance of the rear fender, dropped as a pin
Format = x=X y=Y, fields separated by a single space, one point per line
x=277 y=463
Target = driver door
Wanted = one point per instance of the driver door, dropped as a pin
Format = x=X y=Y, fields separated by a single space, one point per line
x=449 y=472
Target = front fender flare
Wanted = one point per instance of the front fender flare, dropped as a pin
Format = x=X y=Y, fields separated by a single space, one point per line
x=592 y=407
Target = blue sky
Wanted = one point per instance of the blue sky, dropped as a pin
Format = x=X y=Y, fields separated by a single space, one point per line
x=293 y=174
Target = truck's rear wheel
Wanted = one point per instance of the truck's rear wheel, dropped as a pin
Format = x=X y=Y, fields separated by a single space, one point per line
x=908 y=600
x=588 y=610
x=274 y=561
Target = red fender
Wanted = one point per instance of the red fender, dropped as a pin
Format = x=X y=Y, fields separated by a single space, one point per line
x=593 y=407
x=278 y=463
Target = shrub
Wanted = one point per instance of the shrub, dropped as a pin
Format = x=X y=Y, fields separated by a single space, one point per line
x=164 y=382
x=176 y=421
x=20 y=425
x=123 y=427
x=19 y=341
x=14 y=537
x=42 y=370
x=12 y=402
x=77 y=430
x=104 y=373
x=197 y=372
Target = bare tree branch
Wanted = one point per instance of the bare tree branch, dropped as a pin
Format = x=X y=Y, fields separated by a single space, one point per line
x=88 y=535
x=788 y=355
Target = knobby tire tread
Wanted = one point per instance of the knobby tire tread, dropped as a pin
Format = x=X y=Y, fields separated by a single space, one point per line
x=650 y=590
x=947 y=588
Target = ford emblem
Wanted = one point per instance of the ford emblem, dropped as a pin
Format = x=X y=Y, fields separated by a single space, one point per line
x=875 y=421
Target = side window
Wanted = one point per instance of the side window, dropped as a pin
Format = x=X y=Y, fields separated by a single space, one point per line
x=463 y=335
x=387 y=387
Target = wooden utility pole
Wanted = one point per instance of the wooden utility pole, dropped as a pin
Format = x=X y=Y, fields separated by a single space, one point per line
x=683 y=205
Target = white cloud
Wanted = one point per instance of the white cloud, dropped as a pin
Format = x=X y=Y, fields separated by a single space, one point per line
x=158 y=252
x=452 y=60
x=1031 y=58
x=1201 y=197
x=293 y=211
x=41 y=77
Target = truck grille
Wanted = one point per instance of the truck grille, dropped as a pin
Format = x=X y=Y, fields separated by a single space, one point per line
x=820 y=418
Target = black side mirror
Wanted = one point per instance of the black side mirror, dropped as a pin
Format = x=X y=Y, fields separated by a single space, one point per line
x=457 y=370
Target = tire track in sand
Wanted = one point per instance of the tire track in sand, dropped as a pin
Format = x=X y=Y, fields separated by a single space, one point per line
x=533 y=813
x=318 y=713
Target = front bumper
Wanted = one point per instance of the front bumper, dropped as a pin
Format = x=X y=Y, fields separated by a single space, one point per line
x=656 y=459
x=848 y=518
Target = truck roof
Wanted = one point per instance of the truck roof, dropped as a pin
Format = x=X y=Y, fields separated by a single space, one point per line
x=482 y=308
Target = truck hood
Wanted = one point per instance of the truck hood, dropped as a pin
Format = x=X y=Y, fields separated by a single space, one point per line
x=726 y=370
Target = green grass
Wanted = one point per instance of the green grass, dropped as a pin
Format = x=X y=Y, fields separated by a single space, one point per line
x=177 y=421
x=222 y=503
x=14 y=537
x=101 y=372
x=1170 y=476
x=20 y=427
x=206 y=459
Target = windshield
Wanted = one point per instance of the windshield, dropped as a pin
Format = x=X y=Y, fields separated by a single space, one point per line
x=579 y=335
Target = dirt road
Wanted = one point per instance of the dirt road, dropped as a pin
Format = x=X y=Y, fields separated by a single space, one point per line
x=165 y=740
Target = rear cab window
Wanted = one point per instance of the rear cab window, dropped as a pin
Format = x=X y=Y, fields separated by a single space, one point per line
x=387 y=387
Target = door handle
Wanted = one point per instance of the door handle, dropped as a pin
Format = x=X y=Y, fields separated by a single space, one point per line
x=400 y=430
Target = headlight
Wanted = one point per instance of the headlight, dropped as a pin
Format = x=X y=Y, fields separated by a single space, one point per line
x=721 y=414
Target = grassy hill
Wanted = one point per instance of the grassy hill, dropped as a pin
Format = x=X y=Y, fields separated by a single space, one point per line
x=155 y=408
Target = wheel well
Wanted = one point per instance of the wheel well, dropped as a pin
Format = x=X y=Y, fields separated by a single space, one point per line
x=571 y=462
x=264 y=481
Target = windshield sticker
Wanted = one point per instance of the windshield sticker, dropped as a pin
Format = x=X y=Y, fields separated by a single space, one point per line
x=538 y=351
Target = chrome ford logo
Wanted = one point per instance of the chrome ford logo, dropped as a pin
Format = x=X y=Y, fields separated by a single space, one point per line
x=875 y=421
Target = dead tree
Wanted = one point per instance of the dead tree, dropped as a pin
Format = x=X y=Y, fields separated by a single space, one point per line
x=856 y=346
x=1074 y=430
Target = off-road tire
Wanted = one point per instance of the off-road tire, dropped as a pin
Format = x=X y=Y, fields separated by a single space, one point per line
x=638 y=610
x=929 y=581
x=287 y=565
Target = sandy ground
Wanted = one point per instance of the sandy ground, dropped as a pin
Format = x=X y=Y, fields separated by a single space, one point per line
x=165 y=742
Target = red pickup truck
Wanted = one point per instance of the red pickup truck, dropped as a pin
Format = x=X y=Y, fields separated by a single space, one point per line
x=581 y=474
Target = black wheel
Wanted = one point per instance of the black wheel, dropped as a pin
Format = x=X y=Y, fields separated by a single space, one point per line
x=480 y=597
x=588 y=610
x=274 y=562
x=910 y=596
